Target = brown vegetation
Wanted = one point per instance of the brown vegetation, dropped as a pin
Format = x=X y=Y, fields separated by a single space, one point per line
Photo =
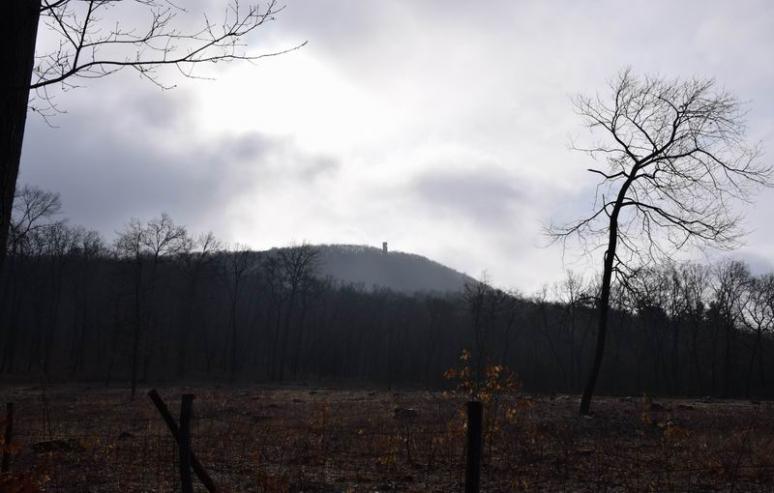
x=302 y=439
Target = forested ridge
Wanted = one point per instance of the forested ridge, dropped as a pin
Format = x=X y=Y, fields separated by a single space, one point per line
x=163 y=306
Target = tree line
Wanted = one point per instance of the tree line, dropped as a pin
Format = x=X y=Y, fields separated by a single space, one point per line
x=160 y=305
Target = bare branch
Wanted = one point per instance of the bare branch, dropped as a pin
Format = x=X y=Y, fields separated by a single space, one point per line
x=676 y=150
x=91 y=47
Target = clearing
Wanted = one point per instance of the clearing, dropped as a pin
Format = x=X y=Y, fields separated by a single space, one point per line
x=258 y=438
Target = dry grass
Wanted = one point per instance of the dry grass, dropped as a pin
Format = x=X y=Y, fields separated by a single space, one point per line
x=90 y=439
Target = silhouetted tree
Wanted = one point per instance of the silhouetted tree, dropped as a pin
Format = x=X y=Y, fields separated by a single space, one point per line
x=87 y=250
x=693 y=284
x=142 y=244
x=33 y=209
x=730 y=284
x=575 y=299
x=34 y=212
x=758 y=316
x=676 y=159
x=194 y=257
x=298 y=265
x=486 y=306
x=236 y=262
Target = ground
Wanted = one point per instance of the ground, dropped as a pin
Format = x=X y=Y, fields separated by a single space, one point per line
x=255 y=438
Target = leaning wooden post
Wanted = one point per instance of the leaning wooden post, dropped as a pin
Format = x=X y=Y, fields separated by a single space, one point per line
x=473 y=464
x=170 y=421
x=7 y=437
x=186 y=482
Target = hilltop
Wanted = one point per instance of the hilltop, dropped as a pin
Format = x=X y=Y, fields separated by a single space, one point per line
x=399 y=271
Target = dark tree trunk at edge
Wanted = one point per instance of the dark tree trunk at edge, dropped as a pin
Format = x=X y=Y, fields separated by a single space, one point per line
x=19 y=29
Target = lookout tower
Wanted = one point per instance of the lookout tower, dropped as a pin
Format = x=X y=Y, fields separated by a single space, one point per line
x=384 y=247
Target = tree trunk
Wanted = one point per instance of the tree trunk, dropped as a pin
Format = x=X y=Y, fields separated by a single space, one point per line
x=697 y=377
x=299 y=339
x=12 y=292
x=751 y=363
x=604 y=308
x=185 y=328
x=675 y=381
x=233 y=323
x=285 y=336
x=551 y=346
x=19 y=28
x=137 y=330
x=728 y=364
x=761 y=372
x=604 y=296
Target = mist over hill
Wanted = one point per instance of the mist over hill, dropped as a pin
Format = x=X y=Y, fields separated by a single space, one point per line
x=372 y=268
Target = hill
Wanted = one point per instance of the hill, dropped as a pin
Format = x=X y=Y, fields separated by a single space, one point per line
x=399 y=271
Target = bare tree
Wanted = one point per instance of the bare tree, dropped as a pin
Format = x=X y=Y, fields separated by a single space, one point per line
x=195 y=256
x=88 y=247
x=758 y=316
x=647 y=298
x=298 y=264
x=485 y=305
x=677 y=160
x=236 y=262
x=544 y=305
x=139 y=244
x=33 y=210
x=575 y=298
x=688 y=293
x=730 y=282
x=88 y=39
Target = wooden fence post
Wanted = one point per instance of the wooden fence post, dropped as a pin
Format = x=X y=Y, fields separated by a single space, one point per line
x=170 y=421
x=7 y=437
x=473 y=463
x=184 y=444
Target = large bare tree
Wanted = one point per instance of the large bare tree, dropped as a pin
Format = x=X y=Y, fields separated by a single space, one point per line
x=88 y=39
x=677 y=161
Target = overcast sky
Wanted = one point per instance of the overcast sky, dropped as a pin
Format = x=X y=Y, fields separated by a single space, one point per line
x=440 y=127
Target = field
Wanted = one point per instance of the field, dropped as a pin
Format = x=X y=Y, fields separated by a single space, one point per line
x=254 y=438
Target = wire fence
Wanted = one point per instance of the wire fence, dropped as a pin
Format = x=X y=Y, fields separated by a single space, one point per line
x=300 y=440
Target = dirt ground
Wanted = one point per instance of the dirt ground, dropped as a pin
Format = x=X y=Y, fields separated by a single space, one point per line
x=253 y=438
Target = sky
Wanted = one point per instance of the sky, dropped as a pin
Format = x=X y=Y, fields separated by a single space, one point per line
x=443 y=128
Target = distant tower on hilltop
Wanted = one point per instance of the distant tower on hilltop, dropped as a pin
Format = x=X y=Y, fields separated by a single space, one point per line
x=384 y=247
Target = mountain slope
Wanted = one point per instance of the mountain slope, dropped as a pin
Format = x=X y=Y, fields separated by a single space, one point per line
x=372 y=268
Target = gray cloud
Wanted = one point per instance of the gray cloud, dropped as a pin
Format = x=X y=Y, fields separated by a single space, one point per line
x=488 y=197
x=107 y=174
